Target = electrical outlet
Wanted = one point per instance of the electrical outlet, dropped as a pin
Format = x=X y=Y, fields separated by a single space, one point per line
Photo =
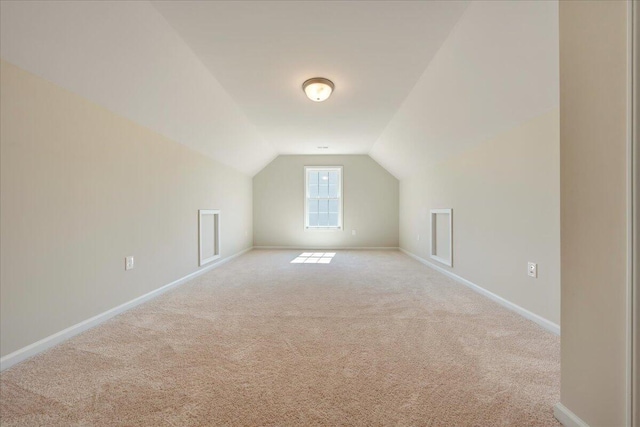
x=353 y=232
x=128 y=263
x=533 y=269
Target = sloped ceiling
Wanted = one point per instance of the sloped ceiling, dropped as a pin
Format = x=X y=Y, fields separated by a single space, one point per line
x=127 y=58
x=415 y=81
x=498 y=68
x=262 y=51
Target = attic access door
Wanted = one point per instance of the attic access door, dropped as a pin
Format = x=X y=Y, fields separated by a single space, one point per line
x=442 y=236
x=208 y=235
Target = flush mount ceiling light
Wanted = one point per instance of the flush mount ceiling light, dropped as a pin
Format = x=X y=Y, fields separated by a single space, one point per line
x=318 y=89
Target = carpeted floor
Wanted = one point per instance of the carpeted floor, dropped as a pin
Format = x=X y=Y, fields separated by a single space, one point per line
x=374 y=338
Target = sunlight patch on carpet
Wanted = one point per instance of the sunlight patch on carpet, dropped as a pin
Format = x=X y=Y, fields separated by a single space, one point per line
x=314 y=258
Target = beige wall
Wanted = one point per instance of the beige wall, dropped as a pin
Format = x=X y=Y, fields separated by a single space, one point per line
x=505 y=199
x=81 y=188
x=370 y=204
x=593 y=125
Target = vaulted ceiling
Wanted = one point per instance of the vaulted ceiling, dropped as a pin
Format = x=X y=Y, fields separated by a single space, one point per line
x=262 y=52
x=413 y=79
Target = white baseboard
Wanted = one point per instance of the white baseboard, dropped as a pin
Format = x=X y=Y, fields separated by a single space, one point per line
x=566 y=417
x=546 y=324
x=337 y=248
x=52 y=340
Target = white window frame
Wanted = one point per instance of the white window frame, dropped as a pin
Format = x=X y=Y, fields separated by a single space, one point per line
x=308 y=169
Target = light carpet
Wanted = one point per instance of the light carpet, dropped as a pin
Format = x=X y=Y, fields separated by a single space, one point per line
x=373 y=338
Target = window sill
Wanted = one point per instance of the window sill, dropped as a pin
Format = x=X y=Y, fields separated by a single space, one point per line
x=323 y=229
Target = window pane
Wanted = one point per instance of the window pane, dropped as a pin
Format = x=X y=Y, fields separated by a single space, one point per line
x=313 y=177
x=333 y=190
x=323 y=191
x=323 y=213
x=313 y=206
x=333 y=219
x=323 y=219
x=333 y=206
x=313 y=220
x=333 y=177
x=313 y=190
x=323 y=206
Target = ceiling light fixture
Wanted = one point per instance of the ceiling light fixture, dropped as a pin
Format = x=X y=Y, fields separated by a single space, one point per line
x=318 y=89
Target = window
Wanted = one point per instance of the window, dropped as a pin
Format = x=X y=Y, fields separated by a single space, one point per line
x=323 y=197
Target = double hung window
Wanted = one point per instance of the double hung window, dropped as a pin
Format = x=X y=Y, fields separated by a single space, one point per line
x=323 y=197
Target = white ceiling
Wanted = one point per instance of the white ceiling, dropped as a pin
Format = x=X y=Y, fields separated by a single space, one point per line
x=261 y=53
x=415 y=81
